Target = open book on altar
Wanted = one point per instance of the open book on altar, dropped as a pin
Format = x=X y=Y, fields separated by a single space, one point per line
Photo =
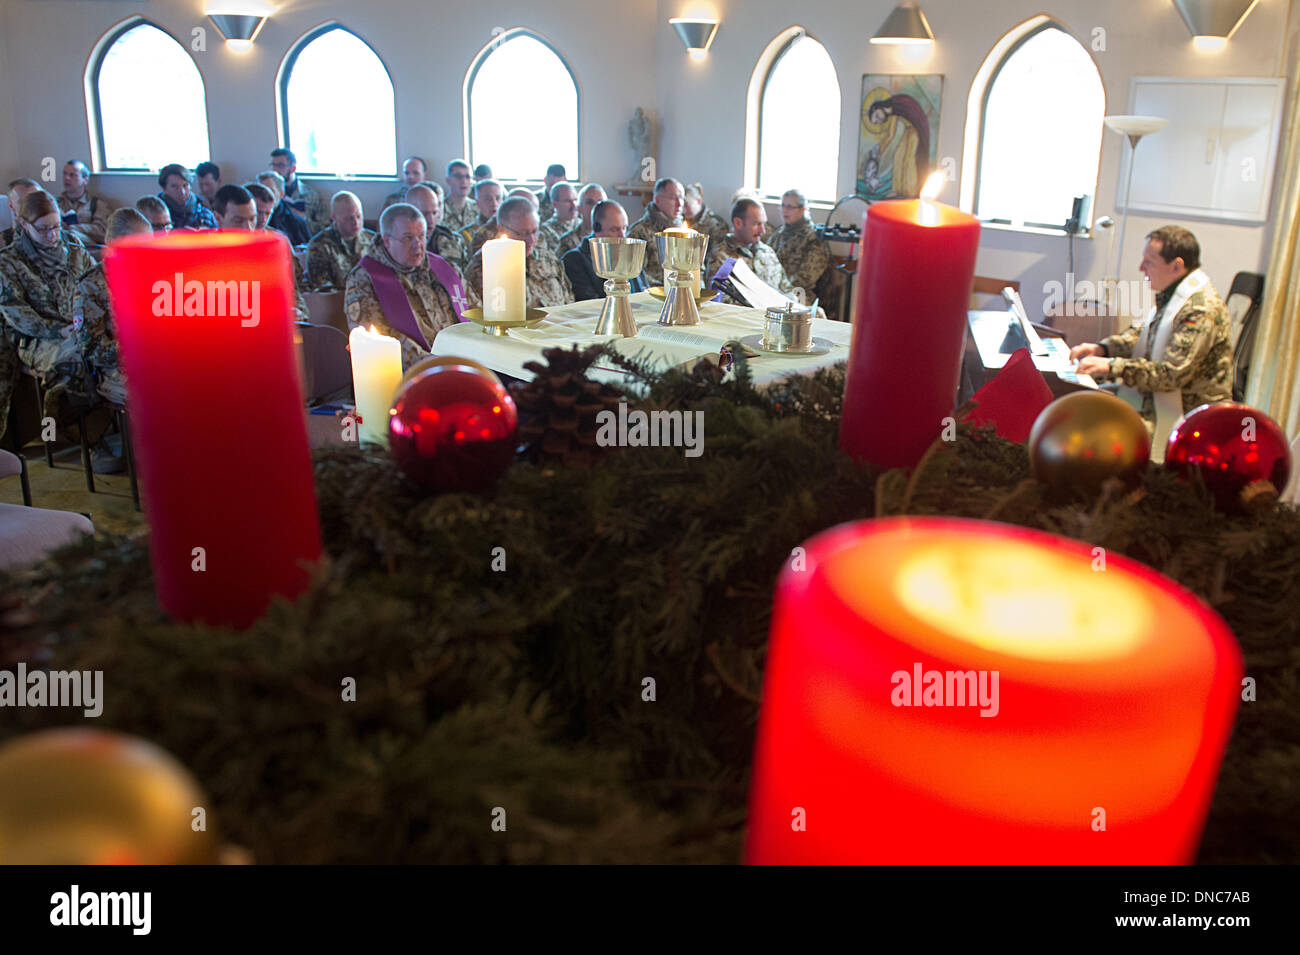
x=675 y=345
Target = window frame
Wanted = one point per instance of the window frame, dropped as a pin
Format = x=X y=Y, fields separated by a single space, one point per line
x=496 y=43
x=95 y=112
x=1006 y=56
x=282 y=102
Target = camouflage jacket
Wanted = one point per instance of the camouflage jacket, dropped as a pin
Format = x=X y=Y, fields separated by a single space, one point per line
x=803 y=255
x=544 y=277
x=1198 y=357
x=450 y=246
x=458 y=221
x=193 y=215
x=544 y=208
x=553 y=230
x=92 y=214
x=570 y=240
x=330 y=257
x=760 y=257
x=645 y=228
x=307 y=201
x=96 y=334
x=430 y=303
x=712 y=225
x=486 y=232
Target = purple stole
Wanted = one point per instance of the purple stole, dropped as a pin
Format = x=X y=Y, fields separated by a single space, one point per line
x=397 y=307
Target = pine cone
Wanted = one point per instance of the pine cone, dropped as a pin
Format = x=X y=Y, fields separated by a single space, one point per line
x=558 y=408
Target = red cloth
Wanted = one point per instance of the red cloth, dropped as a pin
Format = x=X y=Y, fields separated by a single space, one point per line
x=1012 y=401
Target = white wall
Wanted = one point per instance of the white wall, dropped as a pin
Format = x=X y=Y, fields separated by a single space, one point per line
x=1143 y=38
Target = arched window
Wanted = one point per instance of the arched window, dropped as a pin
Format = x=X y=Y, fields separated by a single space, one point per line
x=337 y=109
x=146 y=101
x=1040 y=127
x=798 y=142
x=521 y=109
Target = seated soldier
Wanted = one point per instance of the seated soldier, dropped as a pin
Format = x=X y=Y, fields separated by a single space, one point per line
x=744 y=242
x=487 y=198
x=492 y=228
x=395 y=289
x=207 y=176
x=591 y=196
x=442 y=241
x=332 y=254
x=413 y=173
x=38 y=306
x=264 y=199
x=701 y=218
x=564 y=200
x=84 y=214
x=802 y=252
x=459 y=211
x=555 y=175
x=284 y=219
x=544 y=279
x=155 y=211
x=235 y=209
x=97 y=336
x=305 y=201
x=482 y=172
x=608 y=220
x=664 y=212
x=182 y=205
x=17 y=189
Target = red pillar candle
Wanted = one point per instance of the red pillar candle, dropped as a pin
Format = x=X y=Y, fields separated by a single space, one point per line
x=909 y=328
x=951 y=691
x=217 y=418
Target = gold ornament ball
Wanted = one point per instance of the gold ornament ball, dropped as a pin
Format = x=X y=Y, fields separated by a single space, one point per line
x=1081 y=439
x=89 y=797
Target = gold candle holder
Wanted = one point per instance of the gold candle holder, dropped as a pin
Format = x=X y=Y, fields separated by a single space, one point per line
x=682 y=252
x=617 y=260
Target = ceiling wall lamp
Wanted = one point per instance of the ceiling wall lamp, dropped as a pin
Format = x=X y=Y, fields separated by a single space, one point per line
x=238 y=29
x=906 y=26
x=1212 y=22
x=697 y=33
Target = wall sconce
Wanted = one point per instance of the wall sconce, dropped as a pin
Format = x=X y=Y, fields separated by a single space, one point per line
x=697 y=33
x=1212 y=22
x=238 y=29
x=906 y=26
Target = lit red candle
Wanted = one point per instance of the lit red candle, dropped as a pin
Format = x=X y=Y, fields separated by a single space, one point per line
x=220 y=437
x=950 y=691
x=909 y=328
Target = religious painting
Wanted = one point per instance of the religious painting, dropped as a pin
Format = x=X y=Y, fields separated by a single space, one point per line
x=899 y=134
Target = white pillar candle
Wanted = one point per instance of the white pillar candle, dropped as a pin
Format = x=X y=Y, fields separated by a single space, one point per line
x=503 y=280
x=376 y=373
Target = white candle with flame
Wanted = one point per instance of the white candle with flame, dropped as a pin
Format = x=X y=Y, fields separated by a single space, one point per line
x=376 y=373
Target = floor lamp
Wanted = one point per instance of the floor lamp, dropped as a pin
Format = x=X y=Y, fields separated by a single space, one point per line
x=1134 y=127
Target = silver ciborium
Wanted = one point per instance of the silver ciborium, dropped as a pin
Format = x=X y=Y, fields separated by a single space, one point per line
x=682 y=252
x=617 y=260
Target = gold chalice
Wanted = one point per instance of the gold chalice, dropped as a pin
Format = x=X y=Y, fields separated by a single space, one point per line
x=617 y=260
x=682 y=252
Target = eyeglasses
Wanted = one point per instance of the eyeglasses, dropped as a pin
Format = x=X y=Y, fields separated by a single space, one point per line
x=44 y=230
x=790 y=207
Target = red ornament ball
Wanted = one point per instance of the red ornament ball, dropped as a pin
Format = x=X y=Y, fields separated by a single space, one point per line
x=1240 y=452
x=452 y=427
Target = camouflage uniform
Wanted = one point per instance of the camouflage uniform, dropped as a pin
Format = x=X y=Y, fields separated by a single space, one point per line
x=458 y=221
x=450 y=246
x=92 y=217
x=193 y=215
x=97 y=337
x=299 y=281
x=803 y=255
x=712 y=225
x=760 y=257
x=544 y=208
x=471 y=231
x=330 y=257
x=645 y=228
x=309 y=203
x=430 y=303
x=553 y=229
x=570 y=240
x=546 y=282
x=1198 y=357
x=38 y=304
x=486 y=232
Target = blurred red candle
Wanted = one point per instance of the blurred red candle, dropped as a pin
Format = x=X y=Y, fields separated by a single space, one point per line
x=885 y=736
x=915 y=276
x=204 y=321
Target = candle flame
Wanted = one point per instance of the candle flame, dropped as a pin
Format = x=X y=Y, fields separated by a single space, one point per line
x=933 y=185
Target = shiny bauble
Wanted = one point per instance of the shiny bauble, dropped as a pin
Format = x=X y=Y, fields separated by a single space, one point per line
x=89 y=797
x=452 y=427
x=1084 y=438
x=1240 y=453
